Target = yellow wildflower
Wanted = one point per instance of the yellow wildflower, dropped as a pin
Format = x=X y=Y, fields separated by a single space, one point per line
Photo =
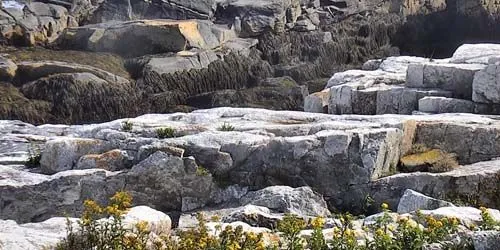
x=318 y=222
x=384 y=206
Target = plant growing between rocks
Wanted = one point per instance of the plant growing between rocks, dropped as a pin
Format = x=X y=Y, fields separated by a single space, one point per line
x=386 y=233
x=226 y=127
x=34 y=156
x=424 y=159
x=164 y=133
x=127 y=126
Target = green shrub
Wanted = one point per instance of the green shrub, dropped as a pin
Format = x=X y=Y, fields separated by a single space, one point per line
x=34 y=156
x=167 y=132
x=201 y=171
x=290 y=226
x=488 y=222
x=226 y=127
x=127 y=126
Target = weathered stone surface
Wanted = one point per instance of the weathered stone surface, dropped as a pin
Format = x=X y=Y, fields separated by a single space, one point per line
x=456 y=78
x=256 y=216
x=467 y=215
x=413 y=201
x=301 y=201
x=62 y=154
x=475 y=53
x=112 y=10
x=445 y=105
x=317 y=102
x=83 y=97
x=334 y=155
x=30 y=71
x=33 y=23
x=486 y=87
x=478 y=181
x=7 y=69
x=486 y=240
x=147 y=36
x=112 y=161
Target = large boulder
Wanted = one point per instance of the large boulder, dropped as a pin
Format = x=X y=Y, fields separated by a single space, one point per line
x=63 y=154
x=456 y=78
x=412 y=201
x=282 y=199
x=435 y=104
x=486 y=87
x=147 y=36
x=475 y=53
x=84 y=97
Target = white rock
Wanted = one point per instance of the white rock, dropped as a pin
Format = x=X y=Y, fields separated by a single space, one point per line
x=413 y=201
x=475 y=53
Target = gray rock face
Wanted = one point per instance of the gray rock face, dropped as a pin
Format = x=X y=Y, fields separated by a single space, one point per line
x=487 y=240
x=34 y=23
x=334 y=155
x=301 y=201
x=412 y=201
x=445 y=105
x=456 y=78
x=486 y=87
x=476 y=181
x=147 y=37
x=62 y=154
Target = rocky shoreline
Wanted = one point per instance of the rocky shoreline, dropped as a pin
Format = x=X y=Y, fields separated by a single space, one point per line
x=197 y=106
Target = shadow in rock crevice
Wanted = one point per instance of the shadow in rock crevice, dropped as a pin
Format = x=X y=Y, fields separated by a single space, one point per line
x=439 y=34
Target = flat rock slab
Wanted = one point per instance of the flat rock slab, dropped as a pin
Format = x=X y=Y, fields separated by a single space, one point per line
x=475 y=53
x=142 y=37
x=331 y=154
x=456 y=78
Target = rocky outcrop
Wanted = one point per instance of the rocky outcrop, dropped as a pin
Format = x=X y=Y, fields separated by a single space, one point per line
x=34 y=23
x=143 y=37
x=333 y=155
x=460 y=84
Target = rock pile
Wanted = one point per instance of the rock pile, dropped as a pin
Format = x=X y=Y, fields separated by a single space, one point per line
x=464 y=83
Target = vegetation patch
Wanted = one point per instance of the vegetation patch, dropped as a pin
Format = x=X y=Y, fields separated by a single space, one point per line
x=127 y=126
x=34 y=156
x=105 y=61
x=226 y=127
x=15 y=106
x=164 y=133
x=424 y=159
x=387 y=232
